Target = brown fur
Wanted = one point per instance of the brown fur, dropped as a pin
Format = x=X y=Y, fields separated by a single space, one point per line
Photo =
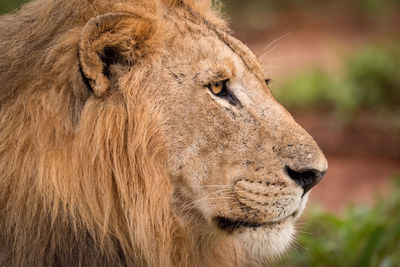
x=85 y=142
x=58 y=203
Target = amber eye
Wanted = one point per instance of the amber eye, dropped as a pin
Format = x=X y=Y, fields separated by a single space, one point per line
x=221 y=90
x=217 y=87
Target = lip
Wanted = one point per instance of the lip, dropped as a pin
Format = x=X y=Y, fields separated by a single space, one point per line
x=231 y=225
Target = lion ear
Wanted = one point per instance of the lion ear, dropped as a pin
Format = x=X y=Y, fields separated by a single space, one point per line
x=109 y=39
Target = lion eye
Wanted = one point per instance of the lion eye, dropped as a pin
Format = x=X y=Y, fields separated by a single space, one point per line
x=221 y=90
x=216 y=88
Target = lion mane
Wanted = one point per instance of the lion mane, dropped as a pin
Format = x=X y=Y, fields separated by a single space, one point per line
x=65 y=199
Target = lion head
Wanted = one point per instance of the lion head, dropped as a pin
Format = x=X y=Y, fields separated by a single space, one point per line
x=141 y=133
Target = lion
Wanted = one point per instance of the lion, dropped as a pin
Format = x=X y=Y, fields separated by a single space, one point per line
x=142 y=133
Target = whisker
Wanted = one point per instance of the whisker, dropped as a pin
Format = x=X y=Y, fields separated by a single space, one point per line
x=194 y=203
x=277 y=40
x=214 y=186
x=269 y=51
x=225 y=191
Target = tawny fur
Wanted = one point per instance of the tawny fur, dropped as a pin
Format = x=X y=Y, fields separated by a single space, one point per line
x=90 y=164
x=64 y=196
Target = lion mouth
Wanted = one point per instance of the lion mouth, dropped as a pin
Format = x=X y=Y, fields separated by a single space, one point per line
x=231 y=225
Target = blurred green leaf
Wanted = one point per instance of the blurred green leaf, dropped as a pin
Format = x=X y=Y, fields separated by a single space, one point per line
x=9 y=5
x=371 y=82
x=364 y=236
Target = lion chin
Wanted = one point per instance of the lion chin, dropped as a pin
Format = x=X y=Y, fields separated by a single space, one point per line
x=266 y=243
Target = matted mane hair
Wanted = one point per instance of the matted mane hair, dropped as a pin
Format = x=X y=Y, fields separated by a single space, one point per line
x=65 y=156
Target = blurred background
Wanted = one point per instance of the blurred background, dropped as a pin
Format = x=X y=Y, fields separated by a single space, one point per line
x=335 y=64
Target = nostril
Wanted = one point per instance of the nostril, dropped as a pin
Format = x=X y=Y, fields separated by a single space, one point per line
x=306 y=178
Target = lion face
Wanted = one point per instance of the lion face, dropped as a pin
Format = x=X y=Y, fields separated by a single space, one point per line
x=241 y=168
x=237 y=159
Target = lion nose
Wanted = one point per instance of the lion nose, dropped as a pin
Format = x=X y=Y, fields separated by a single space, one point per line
x=306 y=178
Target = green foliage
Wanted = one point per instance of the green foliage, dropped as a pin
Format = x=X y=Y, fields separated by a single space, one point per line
x=371 y=81
x=373 y=77
x=9 y=5
x=376 y=8
x=362 y=237
x=363 y=5
x=368 y=9
x=311 y=89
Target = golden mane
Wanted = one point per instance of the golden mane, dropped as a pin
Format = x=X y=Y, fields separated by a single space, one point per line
x=64 y=196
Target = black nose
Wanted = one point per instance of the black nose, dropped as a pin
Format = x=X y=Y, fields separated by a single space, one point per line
x=306 y=178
